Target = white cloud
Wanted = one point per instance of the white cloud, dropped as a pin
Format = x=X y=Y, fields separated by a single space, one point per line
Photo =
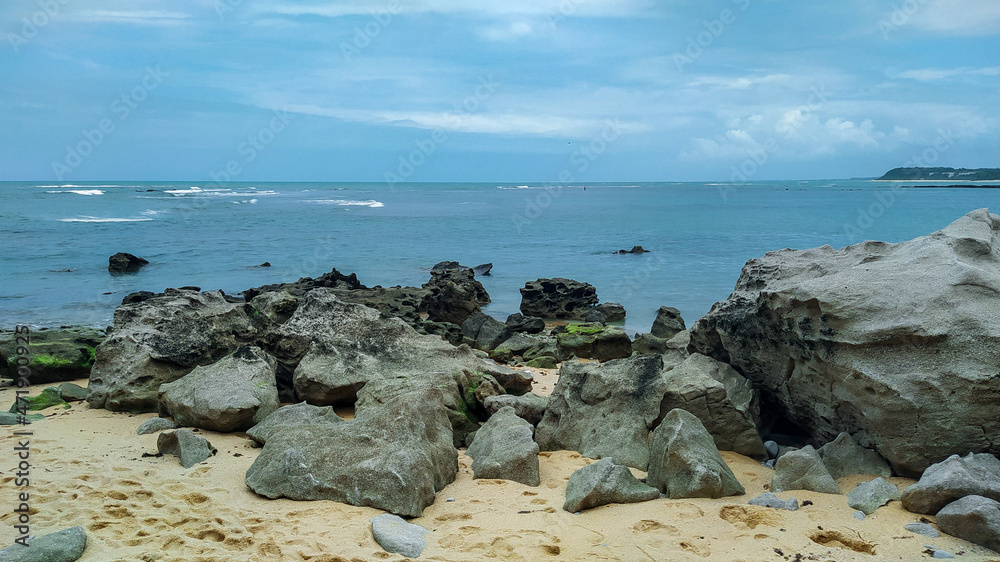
x=508 y=32
x=958 y=17
x=553 y=8
x=138 y=17
x=934 y=74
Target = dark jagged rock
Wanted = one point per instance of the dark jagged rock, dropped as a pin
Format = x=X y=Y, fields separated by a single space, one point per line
x=557 y=298
x=447 y=266
x=55 y=355
x=668 y=323
x=593 y=341
x=634 y=250
x=123 y=262
x=483 y=269
x=453 y=296
x=612 y=311
x=485 y=332
x=525 y=324
x=332 y=280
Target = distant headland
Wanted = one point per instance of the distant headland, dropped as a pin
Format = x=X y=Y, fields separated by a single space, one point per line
x=938 y=174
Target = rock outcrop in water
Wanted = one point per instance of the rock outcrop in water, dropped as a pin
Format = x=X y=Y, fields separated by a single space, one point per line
x=897 y=344
x=125 y=263
x=558 y=298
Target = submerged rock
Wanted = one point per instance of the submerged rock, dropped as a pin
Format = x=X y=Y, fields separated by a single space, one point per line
x=125 y=262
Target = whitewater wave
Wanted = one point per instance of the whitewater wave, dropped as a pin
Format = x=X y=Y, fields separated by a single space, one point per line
x=85 y=218
x=347 y=202
x=80 y=191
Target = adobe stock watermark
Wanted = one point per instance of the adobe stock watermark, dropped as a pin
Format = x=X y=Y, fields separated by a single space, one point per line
x=581 y=159
x=429 y=145
x=886 y=199
x=252 y=147
x=122 y=107
x=899 y=16
x=366 y=34
x=31 y=25
x=704 y=39
x=223 y=7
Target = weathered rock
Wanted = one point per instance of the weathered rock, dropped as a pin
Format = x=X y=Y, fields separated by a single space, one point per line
x=973 y=518
x=161 y=339
x=593 y=341
x=446 y=266
x=922 y=529
x=396 y=536
x=191 y=448
x=869 y=496
x=952 y=479
x=464 y=278
x=612 y=311
x=543 y=362
x=649 y=344
x=901 y=341
x=10 y=418
x=634 y=250
x=546 y=349
x=844 y=457
x=153 y=425
x=557 y=298
x=54 y=355
x=504 y=449
x=684 y=462
x=414 y=459
x=485 y=332
x=803 y=470
x=595 y=316
x=602 y=483
x=529 y=407
x=721 y=398
x=62 y=546
x=276 y=306
x=517 y=344
x=48 y=398
x=525 y=324
x=124 y=262
x=233 y=394
x=606 y=410
x=291 y=416
x=483 y=269
x=767 y=499
x=453 y=296
x=72 y=392
x=298 y=289
x=668 y=323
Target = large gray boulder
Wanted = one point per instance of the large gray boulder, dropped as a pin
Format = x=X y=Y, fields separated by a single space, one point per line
x=973 y=518
x=291 y=416
x=605 y=482
x=668 y=323
x=233 y=394
x=396 y=536
x=393 y=456
x=593 y=341
x=453 y=295
x=869 y=496
x=191 y=448
x=558 y=298
x=901 y=341
x=721 y=398
x=486 y=332
x=684 y=462
x=61 y=546
x=606 y=410
x=505 y=450
x=803 y=470
x=529 y=407
x=844 y=457
x=158 y=340
x=59 y=355
x=951 y=479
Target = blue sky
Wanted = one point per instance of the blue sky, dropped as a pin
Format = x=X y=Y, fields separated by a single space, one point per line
x=520 y=90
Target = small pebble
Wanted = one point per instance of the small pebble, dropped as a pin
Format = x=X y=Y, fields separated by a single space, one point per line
x=922 y=529
x=450 y=499
x=942 y=554
x=859 y=515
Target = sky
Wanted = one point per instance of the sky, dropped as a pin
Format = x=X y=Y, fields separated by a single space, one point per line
x=513 y=91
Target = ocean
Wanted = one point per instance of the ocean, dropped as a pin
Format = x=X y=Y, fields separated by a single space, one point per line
x=56 y=238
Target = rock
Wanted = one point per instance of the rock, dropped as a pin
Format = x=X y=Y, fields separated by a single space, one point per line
x=941 y=554
x=606 y=410
x=153 y=425
x=543 y=362
x=505 y=450
x=772 y=449
x=48 y=398
x=483 y=269
x=594 y=317
x=9 y=418
x=803 y=470
x=525 y=324
x=62 y=546
x=161 y=339
x=922 y=529
x=900 y=341
x=602 y=483
x=233 y=394
x=860 y=515
x=191 y=448
x=123 y=262
x=593 y=341
x=684 y=462
x=869 y=496
x=952 y=479
x=721 y=399
x=415 y=457
x=298 y=289
x=72 y=392
x=545 y=349
x=844 y=457
x=649 y=344
x=265 y=264
x=54 y=355
x=767 y=499
x=612 y=311
x=291 y=416
x=446 y=266
x=276 y=306
x=973 y=518
x=634 y=250
x=668 y=323
x=557 y=298
x=453 y=296
x=396 y=536
x=530 y=407
x=485 y=331
x=517 y=344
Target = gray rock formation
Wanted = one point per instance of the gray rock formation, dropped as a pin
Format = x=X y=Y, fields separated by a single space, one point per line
x=767 y=499
x=396 y=536
x=684 y=462
x=844 y=457
x=191 y=448
x=505 y=450
x=901 y=341
x=611 y=311
x=291 y=416
x=517 y=344
x=922 y=529
x=233 y=394
x=952 y=479
x=72 y=392
x=973 y=518
x=123 y=262
x=59 y=355
x=485 y=332
x=721 y=398
x=803 y=470
x=153 y=425
x=529 y=407
x=159 y=340
x=602 y=483
x=62 y=546
x=415 y=457
x=276 y=306
x=668 y=323
x=453 y=296
x=593 y=341
x=525 y=324
x=869 y=496
x=557 y=298
x=648 y=343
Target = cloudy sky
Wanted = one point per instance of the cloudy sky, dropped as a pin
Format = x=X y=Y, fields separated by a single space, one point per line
x=519 y=90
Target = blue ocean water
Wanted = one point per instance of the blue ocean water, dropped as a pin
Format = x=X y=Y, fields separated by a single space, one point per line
x=56 y=239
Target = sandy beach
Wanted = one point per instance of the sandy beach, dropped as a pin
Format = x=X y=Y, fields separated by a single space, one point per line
x=88 y=469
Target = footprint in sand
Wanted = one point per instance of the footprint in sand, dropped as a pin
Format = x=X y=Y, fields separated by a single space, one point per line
x=650 y=525
x=849 y=541
x=453 y=517
x=698 y=547
x=749 y=516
